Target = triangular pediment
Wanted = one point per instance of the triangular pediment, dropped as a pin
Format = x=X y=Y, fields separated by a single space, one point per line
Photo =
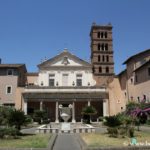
x=64 y=59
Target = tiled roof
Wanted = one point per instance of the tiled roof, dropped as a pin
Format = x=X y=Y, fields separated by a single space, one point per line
x=138 y=54
x=146 y=63
x=11 y=65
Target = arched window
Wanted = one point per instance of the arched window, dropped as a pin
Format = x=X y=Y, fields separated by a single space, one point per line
x=107 y=69
x=106 y=47
x=102 y=35
x=102 y=47
x=105 y=34
x=98 y=34
x=100 y=69
x=99 y=58
x=98 y=46
x=103 y=58
x=107 y=58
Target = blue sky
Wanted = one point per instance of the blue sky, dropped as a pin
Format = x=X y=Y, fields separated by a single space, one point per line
x=33 y=29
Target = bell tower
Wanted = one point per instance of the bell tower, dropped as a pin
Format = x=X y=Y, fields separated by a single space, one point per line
x=102 y=53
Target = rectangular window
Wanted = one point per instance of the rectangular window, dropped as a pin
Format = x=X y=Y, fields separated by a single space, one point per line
x=8 y=89
x=136 y=78
x=79 y=79
x=51 y=82
x=10 y=72
x=51 y=79
x=65 y=80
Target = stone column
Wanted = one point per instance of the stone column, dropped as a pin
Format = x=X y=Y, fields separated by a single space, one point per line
x=56 y=115
x=73 y=112
x=25 y=107
x=41 y=105
x=89 y=103
x=105 y=107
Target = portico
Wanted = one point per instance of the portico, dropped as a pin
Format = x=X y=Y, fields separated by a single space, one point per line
x=49 y=99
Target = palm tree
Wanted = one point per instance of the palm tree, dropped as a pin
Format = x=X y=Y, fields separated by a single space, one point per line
x=87 y=112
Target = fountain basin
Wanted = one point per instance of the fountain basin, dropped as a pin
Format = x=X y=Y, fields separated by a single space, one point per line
x=73 y=128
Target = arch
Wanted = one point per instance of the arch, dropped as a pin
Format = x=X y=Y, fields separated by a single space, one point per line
x=99 y=58
x=98 y=34
x=102 y=46
x=102 y=35
x=100 y=69
x=105 y=34
x=107 y=69
x=107 y=58
x=106 y=47
x=98 y=46
x=103 y=58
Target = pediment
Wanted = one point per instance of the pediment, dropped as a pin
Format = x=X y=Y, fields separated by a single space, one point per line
x=64 y=59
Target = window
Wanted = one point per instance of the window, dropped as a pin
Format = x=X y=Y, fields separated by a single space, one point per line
x=102 y=46
x=8 y=89
x=131 y=80
x=107 y=69
x=10 y=72
x=51 y=82
x=149 y=71
x=79 y=79
x=136 y=78
x=100 y=69
x=93 y=69
x=105 y=34
x=103 y=58
x=99 y=47
x=107 y=58
x=99 y=58
x=102 y=35
x=98 y=34
x=106 y=47
x=65 y=80
x=51 y=79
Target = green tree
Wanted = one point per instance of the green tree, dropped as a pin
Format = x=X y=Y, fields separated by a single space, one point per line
x=40 y=116
x=87 y=112
x=4 y=115
x=17 y=119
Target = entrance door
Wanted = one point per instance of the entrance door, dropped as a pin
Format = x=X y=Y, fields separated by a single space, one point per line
x=65 y=80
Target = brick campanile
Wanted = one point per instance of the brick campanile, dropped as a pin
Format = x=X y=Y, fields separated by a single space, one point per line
x=102 y=53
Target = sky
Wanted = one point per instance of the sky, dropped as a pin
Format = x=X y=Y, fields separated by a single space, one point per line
x=31 y=30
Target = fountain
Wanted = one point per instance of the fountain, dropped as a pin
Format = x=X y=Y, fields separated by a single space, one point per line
x=65 y=113
x=66 y=127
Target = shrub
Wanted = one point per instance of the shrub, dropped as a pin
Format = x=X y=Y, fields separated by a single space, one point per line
x=4 y=115
x=3 y=132
x=8 y=132
x=148 y=122
x=87 y=111
x=131 y=132
x=40 y=116
x=131 y=106
x=112 y=121
x=113 y=132
x=122 y=132
x=17 y=118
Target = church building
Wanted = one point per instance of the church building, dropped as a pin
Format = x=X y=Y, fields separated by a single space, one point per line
x=68 y=81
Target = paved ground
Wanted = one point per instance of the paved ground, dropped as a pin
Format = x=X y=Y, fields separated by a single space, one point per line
x=29 y=130
x=66 y=142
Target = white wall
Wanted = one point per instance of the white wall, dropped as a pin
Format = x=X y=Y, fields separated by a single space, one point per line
x=86 y=77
